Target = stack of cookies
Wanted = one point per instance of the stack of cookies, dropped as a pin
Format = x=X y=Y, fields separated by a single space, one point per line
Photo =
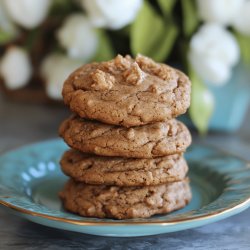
x=127 y=150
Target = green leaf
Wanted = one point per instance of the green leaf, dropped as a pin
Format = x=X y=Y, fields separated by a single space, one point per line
x=60 y=8
x=146 y=30
x=190 y=16
x=31 y=39
x=202 y=104
x=5 y=37
x=105 y=51
x=164 y=48
x=150 y=36
x=244 y=43
x=166 y=6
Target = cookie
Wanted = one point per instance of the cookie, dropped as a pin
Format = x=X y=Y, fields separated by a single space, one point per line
x=123 y=171
x=127 y=92
x=152 y=140
x=124 y=202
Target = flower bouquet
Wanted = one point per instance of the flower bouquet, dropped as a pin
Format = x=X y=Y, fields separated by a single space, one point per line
x=42 y=41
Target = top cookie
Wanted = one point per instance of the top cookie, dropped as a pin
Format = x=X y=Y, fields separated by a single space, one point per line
x=128 y=92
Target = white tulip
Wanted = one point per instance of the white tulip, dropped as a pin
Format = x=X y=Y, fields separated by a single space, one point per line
x=28 y=13
x=213 y=52
x=15 y=68
x=113 y=14
x=212 y=71
x=242 y=22
x=55 y=69
x=78 y=37
x=219 y=11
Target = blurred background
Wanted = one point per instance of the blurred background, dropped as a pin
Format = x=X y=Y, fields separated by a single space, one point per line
x=43 y=41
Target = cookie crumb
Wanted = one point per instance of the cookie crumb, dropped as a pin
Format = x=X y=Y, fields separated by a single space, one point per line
x=130 y=134
x=102 y=80
x=121 y=62
x=154 y=89
x=164 y=97
x=134 y=75
x=154 y=200
x=162 y=71
x=90 y=103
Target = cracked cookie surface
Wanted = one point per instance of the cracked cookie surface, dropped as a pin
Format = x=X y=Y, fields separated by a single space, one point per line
x=152 y=140
x=124 y=202
x=118 y=171
x=128 y=92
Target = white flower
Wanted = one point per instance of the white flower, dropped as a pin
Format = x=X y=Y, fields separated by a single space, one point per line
x=28 y=13
x=213 y=52
x=219 y=11
x=113 y=14
x=78 y=36
x=242 y=21
x=15 y=68
x=55 y=69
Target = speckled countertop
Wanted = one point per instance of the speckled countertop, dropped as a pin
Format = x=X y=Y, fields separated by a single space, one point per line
x=21 y=124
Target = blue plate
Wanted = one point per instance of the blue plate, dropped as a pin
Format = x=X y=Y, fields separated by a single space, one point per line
x=30 y=179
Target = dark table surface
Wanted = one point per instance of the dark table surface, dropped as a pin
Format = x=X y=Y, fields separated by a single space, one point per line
x=22 y=123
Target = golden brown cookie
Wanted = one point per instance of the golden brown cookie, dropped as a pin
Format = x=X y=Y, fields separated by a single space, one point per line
x=124 y=202
x=123 y=171
x=127 y=92
x=152 y=140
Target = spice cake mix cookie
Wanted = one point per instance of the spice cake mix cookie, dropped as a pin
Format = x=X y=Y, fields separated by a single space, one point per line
x=127 y=92
x=124 y=202
x=152 y=140
x=119 y=171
